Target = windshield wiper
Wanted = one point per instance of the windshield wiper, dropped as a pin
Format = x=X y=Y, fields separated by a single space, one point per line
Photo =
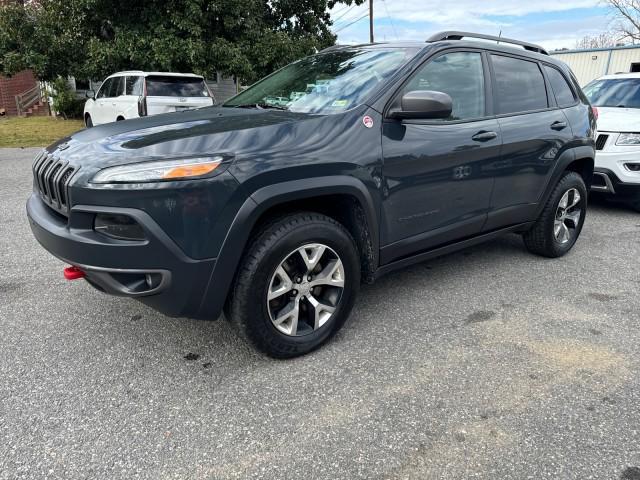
x=262 y=106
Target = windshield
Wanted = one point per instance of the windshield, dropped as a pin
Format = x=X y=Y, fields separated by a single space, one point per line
x=170 y=86
x=614 y=92
x=330 y=82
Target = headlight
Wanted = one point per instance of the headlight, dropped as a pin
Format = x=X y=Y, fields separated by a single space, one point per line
x=159 y=171
x=628 y=139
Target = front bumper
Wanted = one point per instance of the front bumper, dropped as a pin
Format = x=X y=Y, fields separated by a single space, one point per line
x=615 y=168
x=155 y=271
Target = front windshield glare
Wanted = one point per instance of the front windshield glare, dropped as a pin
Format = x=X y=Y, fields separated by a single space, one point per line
x=618 y=92
x=325 y=83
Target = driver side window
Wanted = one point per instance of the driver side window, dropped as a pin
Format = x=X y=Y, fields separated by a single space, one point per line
x=104 y=88
x=458 y=74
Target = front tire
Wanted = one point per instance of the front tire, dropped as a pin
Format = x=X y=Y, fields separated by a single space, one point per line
x=87 y=121
x=560 y=223
x=296 y=285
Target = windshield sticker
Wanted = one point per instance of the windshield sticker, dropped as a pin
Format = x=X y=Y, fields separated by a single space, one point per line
x=340 y=103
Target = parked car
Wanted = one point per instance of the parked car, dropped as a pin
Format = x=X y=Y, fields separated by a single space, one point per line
x=135 y=94
x=275 y=212
x=617 y=172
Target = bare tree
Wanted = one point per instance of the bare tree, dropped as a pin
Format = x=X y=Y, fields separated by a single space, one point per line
x=604 y=40
x=627 y=13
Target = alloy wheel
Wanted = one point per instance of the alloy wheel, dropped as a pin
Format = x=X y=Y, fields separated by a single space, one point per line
x=305 y=290
x=568 y=216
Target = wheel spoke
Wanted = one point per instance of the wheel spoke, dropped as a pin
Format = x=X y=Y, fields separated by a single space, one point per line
x=573 y=218
x=557 y=228
x=321 y=312
x=564 y=201
x=283 y=285
x=332 y=275
x=311 y=255
x=287 y=319
x=564 y=233
x=575 y=198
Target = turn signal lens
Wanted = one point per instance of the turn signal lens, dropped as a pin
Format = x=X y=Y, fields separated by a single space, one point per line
x=191 y=170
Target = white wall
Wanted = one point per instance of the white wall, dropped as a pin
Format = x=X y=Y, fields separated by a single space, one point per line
x=591 y=64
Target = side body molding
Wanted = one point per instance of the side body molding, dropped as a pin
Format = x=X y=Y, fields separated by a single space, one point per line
x=258 y=203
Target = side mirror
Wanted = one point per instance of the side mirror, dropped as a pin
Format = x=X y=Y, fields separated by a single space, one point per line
x=424 y=104
x=90 y=94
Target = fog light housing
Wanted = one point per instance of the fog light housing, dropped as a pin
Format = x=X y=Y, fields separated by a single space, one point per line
x=121 y=227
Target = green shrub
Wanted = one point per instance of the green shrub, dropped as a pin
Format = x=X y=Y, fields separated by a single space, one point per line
x=65 y=102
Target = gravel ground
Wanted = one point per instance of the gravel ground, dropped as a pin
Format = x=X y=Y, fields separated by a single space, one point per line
x=489 y=363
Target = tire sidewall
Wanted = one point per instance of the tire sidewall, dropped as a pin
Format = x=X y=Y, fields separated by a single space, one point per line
x=257 y=323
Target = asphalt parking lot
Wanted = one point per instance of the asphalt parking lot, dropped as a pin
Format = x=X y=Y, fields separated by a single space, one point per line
x=489 y=363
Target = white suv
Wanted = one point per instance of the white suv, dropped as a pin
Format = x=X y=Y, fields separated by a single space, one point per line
x=134 y=94
x=617 y=172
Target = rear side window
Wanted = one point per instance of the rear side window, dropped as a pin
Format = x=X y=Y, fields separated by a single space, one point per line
x=160 y=86
x=134 y=86
x=458 y=74
x=117 y=87
x=561 y=89
x=519 y=85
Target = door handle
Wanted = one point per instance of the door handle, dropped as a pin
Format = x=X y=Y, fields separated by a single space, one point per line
x=558 y=125
x=484 y=136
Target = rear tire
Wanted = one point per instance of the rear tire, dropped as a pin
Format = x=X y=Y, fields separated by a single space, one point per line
x=296 y=285
x=87 y=121
x=560 y=223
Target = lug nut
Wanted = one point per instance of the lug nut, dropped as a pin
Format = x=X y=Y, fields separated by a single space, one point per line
x=295 y=292
x=309 y=278
x=299 y=280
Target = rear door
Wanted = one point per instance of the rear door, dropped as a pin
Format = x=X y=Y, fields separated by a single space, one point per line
x=534 y=133
x=437 y=180
x=167 y=93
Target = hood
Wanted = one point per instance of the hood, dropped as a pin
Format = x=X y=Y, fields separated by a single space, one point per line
x=204 y=131
x=614 y=119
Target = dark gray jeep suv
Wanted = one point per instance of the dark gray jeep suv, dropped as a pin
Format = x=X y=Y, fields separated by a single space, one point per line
x=333 y=171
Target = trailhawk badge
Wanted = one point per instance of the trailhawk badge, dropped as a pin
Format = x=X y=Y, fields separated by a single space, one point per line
x=367 y=121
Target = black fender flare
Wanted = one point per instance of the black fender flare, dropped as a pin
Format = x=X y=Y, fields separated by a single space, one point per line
x=257 y=204
x=565 y=159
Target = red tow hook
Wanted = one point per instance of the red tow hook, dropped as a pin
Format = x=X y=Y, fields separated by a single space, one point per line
x=73 y=273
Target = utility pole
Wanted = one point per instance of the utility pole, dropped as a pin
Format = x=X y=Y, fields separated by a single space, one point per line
x=370 y=21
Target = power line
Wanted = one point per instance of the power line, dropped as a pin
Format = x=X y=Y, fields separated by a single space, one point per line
x=393 y=25
x=348 y=10
x=347 y=19
x=349 y=24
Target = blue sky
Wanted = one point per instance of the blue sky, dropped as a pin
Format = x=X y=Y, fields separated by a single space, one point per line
x=551 y=23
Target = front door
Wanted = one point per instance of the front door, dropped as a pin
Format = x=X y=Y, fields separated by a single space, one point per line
x=437 y=173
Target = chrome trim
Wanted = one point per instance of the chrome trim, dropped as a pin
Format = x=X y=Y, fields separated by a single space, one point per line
x=608 y=185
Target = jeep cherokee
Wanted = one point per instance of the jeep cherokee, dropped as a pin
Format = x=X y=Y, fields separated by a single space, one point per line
x=333 y=171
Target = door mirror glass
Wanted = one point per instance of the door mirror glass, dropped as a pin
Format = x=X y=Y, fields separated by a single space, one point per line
x=90 y=94
x=424 y=104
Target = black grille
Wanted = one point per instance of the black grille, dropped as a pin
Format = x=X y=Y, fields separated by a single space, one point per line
x=601 y=141
x=51 y=179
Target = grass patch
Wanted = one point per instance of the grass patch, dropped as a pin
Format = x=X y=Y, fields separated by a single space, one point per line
x=35 y=131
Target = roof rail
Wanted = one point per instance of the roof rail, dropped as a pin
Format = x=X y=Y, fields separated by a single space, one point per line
x=454 y=35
